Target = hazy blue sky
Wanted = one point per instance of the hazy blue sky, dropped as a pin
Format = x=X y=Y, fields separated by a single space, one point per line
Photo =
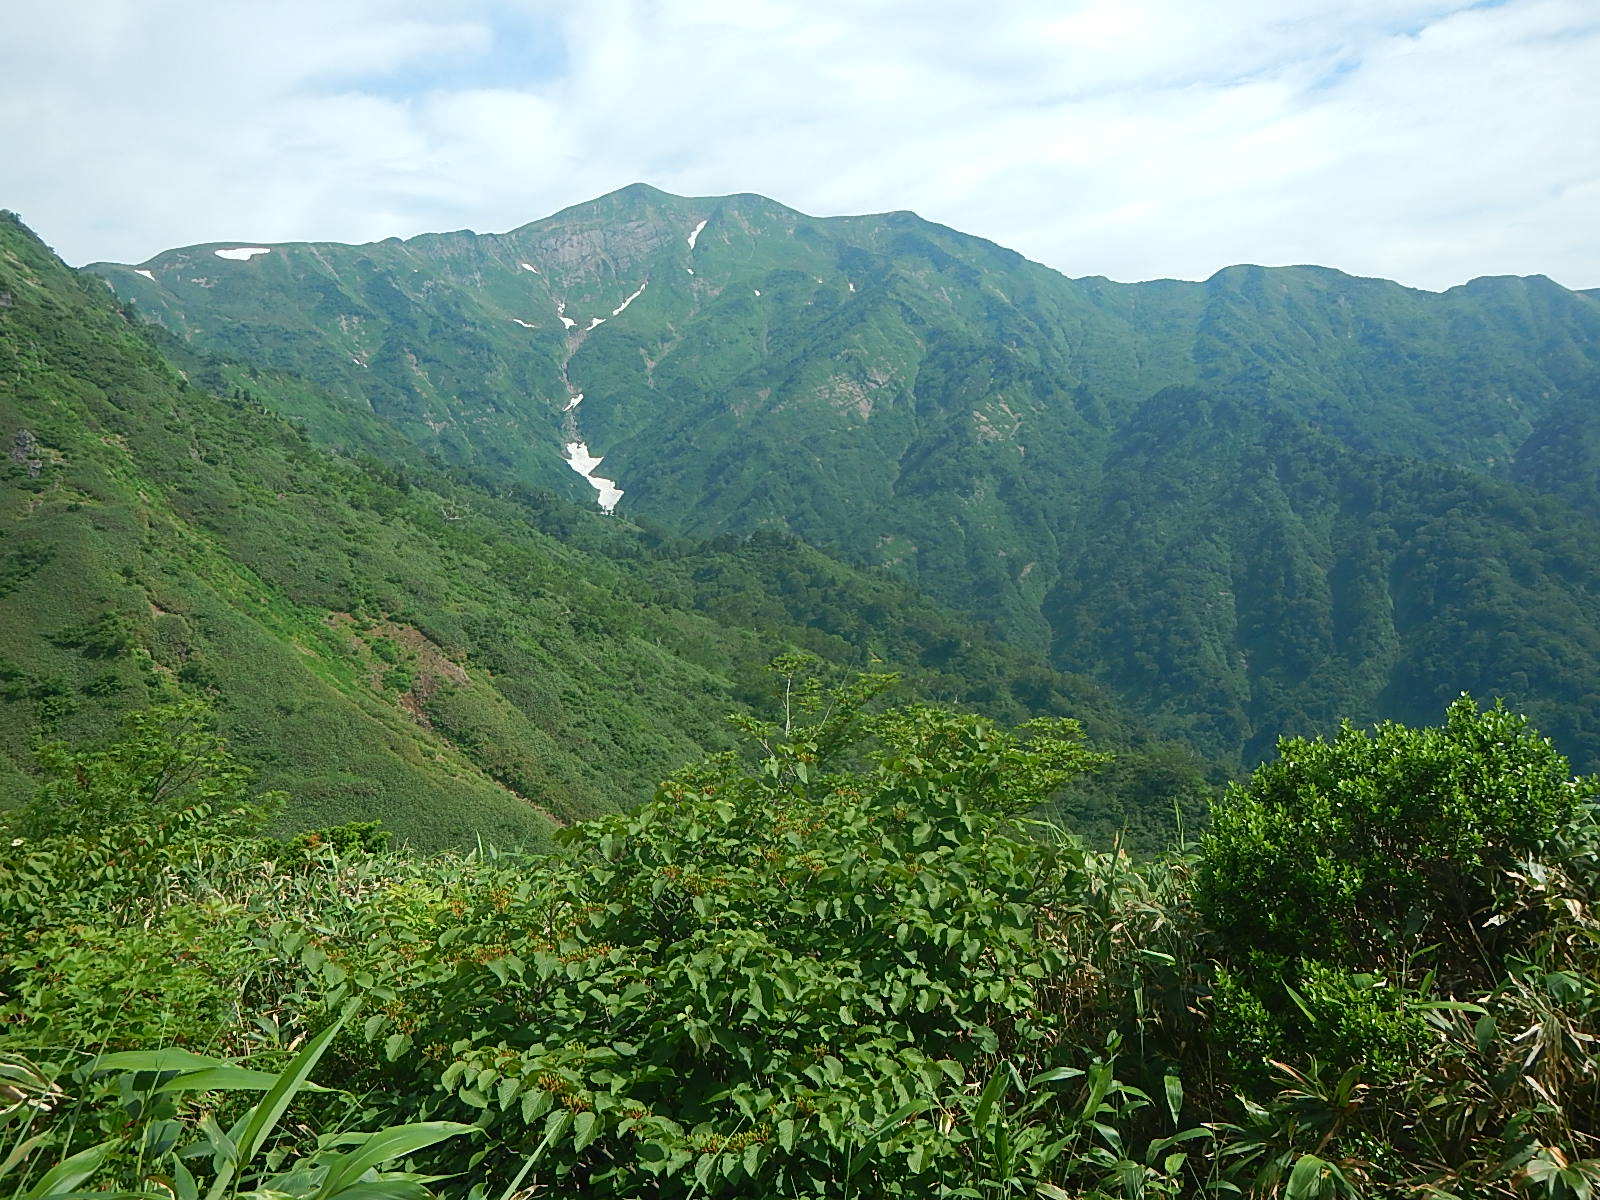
x=1425 y=140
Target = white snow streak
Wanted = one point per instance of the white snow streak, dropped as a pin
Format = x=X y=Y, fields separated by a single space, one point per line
x=561 y=311
x=573 y=403
x=146 y=274
x=617 y=311
x=241 y=253
x=529 y=267
x=594 y=323
x=581 y=461
x=524 y=324
x=852 y=287
x=694 y=234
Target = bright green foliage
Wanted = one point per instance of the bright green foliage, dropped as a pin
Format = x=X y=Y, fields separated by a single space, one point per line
x=1348 y=1017
x=157 y=1133
x=1366 y=847
x=1404 y=917
x=846 y=966
x=353 y=837
x=770 y=983
x=831 y=974
x=170 y=777
x=119 y=814
x=100 y=945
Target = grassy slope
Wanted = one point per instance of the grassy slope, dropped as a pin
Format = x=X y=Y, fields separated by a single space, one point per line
x=386 y=638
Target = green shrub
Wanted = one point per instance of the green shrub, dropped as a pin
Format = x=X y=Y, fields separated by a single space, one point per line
x=170 y=777
x=353 y=837
x=772 y=983
x=174 y=981
x=1351 y=1019
x=848 y=965
x=1360 y=849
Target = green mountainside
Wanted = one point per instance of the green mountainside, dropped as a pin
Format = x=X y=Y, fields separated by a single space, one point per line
x=1247 y=505
x=305 y=554
x=383 y=637
x=1237 y=554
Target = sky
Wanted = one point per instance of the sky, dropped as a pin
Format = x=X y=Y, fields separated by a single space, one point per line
x=1428 y=141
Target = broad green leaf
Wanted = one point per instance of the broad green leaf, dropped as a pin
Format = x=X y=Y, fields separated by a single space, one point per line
x=170 y=1059
x=585 y=1128
x=66 y=1175
x=399 y=1141
x=1053 y=1076
x=1305 y=1181
x=221 y=1079
x=258 y=1124
x=986 y=1100
x=1173 y=1086
x=19 y=1152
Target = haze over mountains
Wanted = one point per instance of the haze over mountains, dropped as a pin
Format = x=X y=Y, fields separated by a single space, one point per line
x=1247 y=506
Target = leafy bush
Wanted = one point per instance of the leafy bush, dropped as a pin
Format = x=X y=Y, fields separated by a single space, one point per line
x=170 y=777
x=849 y=964
x=1408 y=912
x=1365 y=847
x=767 y=983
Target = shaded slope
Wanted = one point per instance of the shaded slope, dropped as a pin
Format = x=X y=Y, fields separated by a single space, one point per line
x=1251 y=577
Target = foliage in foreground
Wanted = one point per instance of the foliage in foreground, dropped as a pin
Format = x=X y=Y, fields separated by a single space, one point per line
x=848 y=964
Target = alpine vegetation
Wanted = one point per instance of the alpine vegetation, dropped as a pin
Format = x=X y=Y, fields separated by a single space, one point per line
x=843 y=960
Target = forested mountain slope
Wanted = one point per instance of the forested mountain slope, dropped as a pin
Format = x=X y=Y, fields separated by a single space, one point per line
x=1006 y=439
x=1236 y=556
x=388 y=639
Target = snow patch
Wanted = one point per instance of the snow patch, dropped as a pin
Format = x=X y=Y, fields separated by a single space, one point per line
x=241 y=253
x=617 y=311
x=851 y=286
x=581 y=461
x=594 y=323
x=694 y=234
x=524 y=324
x=561 y=311
x=529 y=267
x=758 y=291
x=146 y=274
x=690 y=270
x=573 y=403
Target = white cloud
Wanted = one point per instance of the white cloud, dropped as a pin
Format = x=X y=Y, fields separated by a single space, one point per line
x=1427 y=140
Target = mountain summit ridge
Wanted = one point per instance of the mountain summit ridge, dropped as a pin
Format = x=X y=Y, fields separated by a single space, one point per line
x=650 y=192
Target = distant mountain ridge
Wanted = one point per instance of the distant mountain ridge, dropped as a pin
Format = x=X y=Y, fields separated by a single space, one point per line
x=907 y=396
